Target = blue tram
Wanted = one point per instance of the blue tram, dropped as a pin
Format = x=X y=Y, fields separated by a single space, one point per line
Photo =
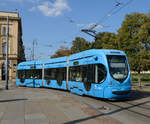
x=98 y=73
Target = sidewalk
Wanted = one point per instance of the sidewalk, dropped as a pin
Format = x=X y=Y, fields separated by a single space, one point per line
x=45 y=106
x=3 y=84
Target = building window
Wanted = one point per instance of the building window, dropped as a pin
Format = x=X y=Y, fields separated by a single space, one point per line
x=4 y=48
x=4 y=30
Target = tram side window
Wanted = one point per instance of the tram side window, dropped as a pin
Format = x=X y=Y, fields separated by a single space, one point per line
x=72 y=74
x=37 y=73
x=28 y=74
x=60 y=73
x=33 y=74
x=88 y=72
x=75 y=74
x=84 y=70
x=101 y=73
x=55 y=74
x=47 y=73
x=50 y=74
x=21 y=74
x=82 y=73
x=63 y=73
x=91 y=73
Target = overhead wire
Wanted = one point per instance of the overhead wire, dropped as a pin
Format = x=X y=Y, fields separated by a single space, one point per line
x=104 y=18
x=107 y=15
x=125 y=4
x=116 y=8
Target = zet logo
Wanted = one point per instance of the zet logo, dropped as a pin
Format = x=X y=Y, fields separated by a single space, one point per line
x=122 y=89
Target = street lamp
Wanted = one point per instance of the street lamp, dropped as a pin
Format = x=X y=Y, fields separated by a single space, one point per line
x=6 y=64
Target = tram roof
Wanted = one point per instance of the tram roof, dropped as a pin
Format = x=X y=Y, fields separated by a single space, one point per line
x=87 y=53
x=92 y=52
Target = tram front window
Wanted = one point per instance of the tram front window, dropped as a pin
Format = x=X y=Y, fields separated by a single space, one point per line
x=118 y=67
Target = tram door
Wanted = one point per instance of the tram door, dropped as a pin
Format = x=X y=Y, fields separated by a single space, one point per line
x=33 y=77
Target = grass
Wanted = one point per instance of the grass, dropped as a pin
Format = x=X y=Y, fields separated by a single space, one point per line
x=145 y=78
x=138 y=87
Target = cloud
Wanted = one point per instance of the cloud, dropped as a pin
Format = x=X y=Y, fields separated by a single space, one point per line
x=49 y=8
x=53 y=9
x=32 y=9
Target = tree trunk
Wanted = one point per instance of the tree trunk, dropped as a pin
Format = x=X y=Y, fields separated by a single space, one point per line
x=139 y=79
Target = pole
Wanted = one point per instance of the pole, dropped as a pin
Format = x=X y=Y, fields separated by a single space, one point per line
x=67 y=76
x=33 y=54
x=6 y=63
x=33 y=51
x=43 y=75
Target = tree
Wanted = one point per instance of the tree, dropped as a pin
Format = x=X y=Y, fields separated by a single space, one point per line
x=105 y=40
x=62 y=51
x=79 y=44
x=134 y=39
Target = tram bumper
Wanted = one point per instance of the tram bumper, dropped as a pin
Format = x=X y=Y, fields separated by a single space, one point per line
x=117 y=92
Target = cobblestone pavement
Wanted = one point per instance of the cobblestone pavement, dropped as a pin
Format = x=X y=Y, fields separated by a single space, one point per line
x=20 y=105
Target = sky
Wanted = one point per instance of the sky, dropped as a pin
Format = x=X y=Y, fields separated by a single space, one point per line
x=55 y=23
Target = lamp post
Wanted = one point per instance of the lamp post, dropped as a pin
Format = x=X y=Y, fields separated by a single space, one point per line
x=6 y=63
x=33 y=48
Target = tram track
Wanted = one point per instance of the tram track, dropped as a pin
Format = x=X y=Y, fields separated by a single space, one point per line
x=126 y=111
x=133 y=108
x=140 y=105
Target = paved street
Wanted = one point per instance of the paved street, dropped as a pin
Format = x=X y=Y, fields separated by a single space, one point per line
x=45 y=106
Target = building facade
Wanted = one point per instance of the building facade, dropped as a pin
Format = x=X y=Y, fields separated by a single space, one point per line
x=15 y=44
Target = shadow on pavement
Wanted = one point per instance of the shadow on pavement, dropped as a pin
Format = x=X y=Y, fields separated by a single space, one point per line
x=135 y=95
x=138 y=94
x=12 y=100
x=113 y=112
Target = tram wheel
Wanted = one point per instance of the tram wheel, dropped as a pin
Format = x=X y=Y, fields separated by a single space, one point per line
x=59 y=82
x=87 y=86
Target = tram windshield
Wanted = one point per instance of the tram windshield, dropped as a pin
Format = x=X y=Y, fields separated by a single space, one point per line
x=118 y=67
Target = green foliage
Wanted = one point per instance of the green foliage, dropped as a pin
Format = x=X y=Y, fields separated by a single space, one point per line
x=134 y=38
x=144 y=78
x=63 y=51
x=79 y=44
x=105 y=40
